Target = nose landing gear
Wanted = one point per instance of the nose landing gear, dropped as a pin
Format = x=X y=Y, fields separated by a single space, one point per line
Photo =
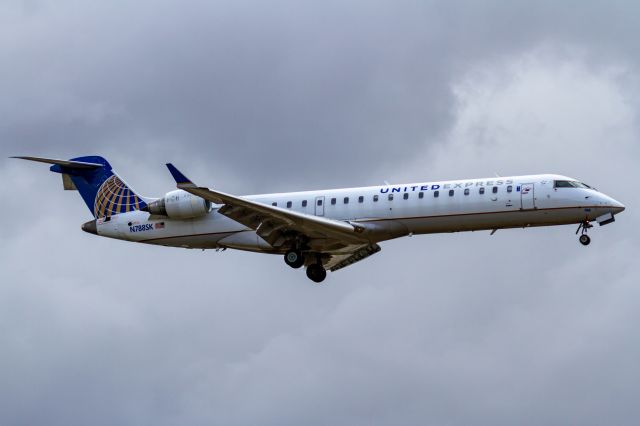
x=584 y=238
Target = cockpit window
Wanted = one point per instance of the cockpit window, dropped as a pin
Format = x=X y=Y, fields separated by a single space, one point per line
x=562 y=184
x=569 y=184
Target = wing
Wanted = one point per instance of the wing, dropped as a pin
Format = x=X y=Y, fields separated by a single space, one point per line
x=349 y=257
x=281 y=227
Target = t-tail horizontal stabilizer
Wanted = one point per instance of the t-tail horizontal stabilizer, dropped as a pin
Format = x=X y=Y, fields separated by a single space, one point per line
x=64 y=163
x=104 y=193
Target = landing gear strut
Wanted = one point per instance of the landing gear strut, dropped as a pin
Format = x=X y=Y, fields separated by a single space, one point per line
x=294 y=258
x=584 y=238
x=316 y=272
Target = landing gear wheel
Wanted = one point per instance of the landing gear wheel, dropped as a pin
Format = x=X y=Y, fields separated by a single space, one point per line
x=294 y=258
x=584 y=239
x=316 y=273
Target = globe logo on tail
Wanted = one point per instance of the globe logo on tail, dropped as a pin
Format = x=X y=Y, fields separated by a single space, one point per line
x=114 y=197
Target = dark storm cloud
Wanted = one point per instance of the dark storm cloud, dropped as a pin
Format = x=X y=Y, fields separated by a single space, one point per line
x=523 y=327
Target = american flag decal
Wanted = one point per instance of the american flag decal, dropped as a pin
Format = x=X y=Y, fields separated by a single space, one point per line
x=159 y=225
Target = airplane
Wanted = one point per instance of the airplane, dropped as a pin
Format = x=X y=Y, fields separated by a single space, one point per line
x=326 y=229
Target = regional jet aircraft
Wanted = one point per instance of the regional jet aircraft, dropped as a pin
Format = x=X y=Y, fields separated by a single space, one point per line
x=327 y=229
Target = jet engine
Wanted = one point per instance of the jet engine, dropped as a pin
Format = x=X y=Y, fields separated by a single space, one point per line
x=179 y=204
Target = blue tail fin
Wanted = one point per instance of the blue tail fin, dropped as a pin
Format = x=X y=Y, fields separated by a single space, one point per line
x=101 y=189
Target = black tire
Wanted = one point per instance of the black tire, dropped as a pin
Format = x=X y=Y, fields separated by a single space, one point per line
x=316 y=273
x=294 y=258
x=584 y=239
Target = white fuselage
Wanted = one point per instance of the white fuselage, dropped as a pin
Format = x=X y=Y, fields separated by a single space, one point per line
x=418 y=208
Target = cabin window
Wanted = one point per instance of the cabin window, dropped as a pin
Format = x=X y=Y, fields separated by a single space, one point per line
x=304 y=203
x=466 y=191
x=375 y=198
x=390 y=197
x=333 y=201
x=509 y=188
x=346 y=200
x=406 y=196
x=481 y=190
x=319 y=202
x=420 y=194
x=361 y=199
x=274 y=204
x=436 y=194
x=451 y=193
x=495 y=190
x=289 y=204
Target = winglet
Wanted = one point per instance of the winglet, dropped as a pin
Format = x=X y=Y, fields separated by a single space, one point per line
x=181 y=180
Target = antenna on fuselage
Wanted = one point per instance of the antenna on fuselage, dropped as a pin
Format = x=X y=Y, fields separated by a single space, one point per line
x=386 y=183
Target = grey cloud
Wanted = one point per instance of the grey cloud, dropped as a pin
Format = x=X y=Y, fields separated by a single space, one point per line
x=524 y=327
x=169 y=79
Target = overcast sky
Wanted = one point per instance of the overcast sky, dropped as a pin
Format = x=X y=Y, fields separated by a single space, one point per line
x=523 y=327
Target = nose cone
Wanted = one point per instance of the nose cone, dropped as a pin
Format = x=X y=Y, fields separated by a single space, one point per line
x=616 y=206
x=90 y=227
x=619 y=208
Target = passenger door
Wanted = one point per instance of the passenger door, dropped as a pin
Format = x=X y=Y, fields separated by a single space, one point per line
x=527 y=200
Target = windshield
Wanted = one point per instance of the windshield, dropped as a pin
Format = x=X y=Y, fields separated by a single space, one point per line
x=569 y=184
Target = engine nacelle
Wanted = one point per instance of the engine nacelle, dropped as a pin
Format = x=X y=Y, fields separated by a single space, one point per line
x=179 y=204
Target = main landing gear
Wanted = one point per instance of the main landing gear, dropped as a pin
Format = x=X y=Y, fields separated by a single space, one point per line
x=294 y=258
x=584 y=238
x=315 y=271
